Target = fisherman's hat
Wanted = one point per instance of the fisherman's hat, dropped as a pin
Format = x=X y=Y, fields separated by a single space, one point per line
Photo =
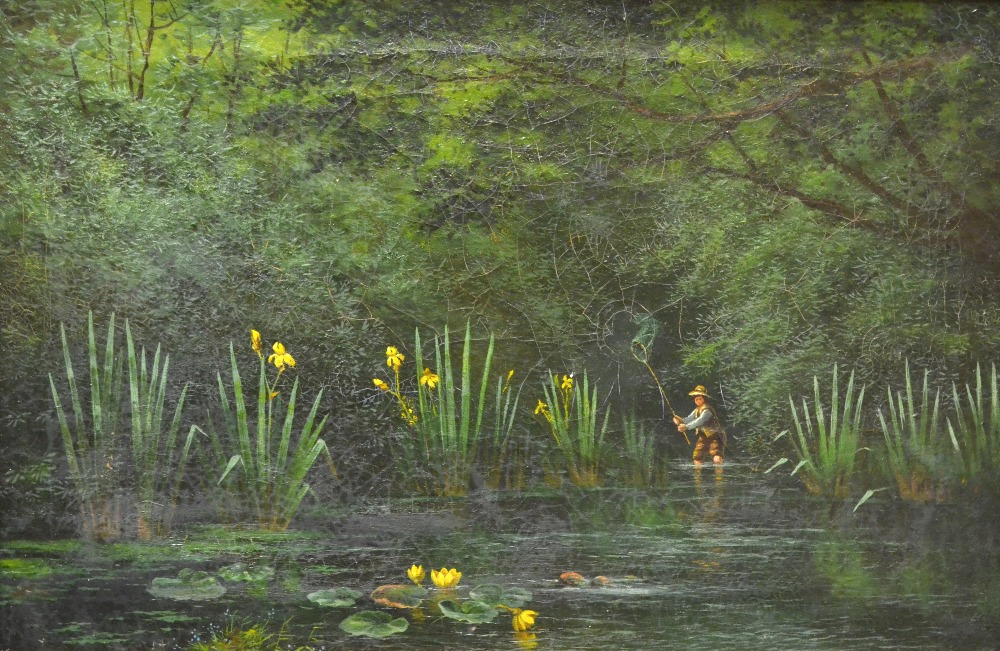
x=700 y=391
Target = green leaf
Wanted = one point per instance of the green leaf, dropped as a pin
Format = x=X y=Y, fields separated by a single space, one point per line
x=239 y=572
x=472 y=612
x=373 y=623
x=399 y=596
x=189 y=585
x=493 y=594
x=334 y=598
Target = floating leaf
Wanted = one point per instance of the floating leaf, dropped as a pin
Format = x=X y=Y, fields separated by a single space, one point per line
x=399 y=596
x=494 y=594
x=241 y=573
x=472 y=612
x=373 y=623
x=335 y=598
x=572 y=578
x=190 y=585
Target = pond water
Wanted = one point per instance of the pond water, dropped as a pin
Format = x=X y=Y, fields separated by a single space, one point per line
x=720 y=559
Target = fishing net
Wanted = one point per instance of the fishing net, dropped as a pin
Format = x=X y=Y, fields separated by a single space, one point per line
x=646 y=330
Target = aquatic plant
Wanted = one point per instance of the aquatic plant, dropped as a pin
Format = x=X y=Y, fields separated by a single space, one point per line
x=102 y=459
x=826 y=445
x=190 y=585
x=253 y=636
x=638 y=464
x=373 y=623
x=450 y=424
x=273 y=467
x=445 y=578
x=446 y=422
x=399 y=596
x=975 y=432
x=335 y=597
x=416 y=574
x=571 y=410
x=503 y=455
x=916 y=449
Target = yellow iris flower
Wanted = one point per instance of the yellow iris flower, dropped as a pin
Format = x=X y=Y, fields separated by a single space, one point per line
x=380 y=384
x=523 y=619
x=428 y=379
x=416 y=574
x=280 y=358
x=394 y=358
x=444 y=578
x=256 y=343
x=542 y=408
x=567 y=383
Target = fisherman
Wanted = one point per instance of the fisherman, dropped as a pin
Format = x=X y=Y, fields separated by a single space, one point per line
x=704 y=421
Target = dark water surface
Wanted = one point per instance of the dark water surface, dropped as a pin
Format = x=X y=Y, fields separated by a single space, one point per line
x=721 y=559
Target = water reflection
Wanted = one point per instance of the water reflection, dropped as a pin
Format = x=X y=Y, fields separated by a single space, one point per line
x=716 y=560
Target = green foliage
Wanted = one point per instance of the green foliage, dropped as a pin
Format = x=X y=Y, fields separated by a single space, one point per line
x=373 y=623
x=917 y=451
x=975 y=432
x=149 y=466
x=571 y=409
x=449 y=425
x=273 y=466
x=639 y=463
x=786 y=184
x=190 y=585
x=827 y=446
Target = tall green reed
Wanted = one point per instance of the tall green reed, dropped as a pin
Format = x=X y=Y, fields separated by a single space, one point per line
x=975 y=433
x=916 y=450
x=449 y=424
x=122 y=478
x=571 y=410
x=503 y=456
x=638 y=463
x=273 y=467
x=826 y=444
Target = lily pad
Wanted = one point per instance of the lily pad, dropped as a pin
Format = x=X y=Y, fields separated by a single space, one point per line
x=472 y=611
x=494 y=594
x=239 y=572
x=399 y=596
x=574 y=579
x=335 y=598
x=190 y=585
x=373 y=623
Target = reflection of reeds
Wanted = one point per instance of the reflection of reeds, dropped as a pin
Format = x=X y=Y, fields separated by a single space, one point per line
x=827 y=446
x=914 y=446
x=975 y=434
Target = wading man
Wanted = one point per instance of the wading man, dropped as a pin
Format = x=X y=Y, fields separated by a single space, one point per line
x=704 y=421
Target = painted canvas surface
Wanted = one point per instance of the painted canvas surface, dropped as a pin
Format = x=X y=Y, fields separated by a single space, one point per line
x=339 y=324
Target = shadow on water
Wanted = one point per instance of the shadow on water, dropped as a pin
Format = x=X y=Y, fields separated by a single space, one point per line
x=720 y=559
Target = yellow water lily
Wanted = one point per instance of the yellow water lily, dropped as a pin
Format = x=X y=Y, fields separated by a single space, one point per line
x=428 y=379
x=523 y=619
x=567 y=383
x=256 y=343
x=380 y=384
x=280 y=358
x=416 y=574
x=394 y=358
x=445 y=578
